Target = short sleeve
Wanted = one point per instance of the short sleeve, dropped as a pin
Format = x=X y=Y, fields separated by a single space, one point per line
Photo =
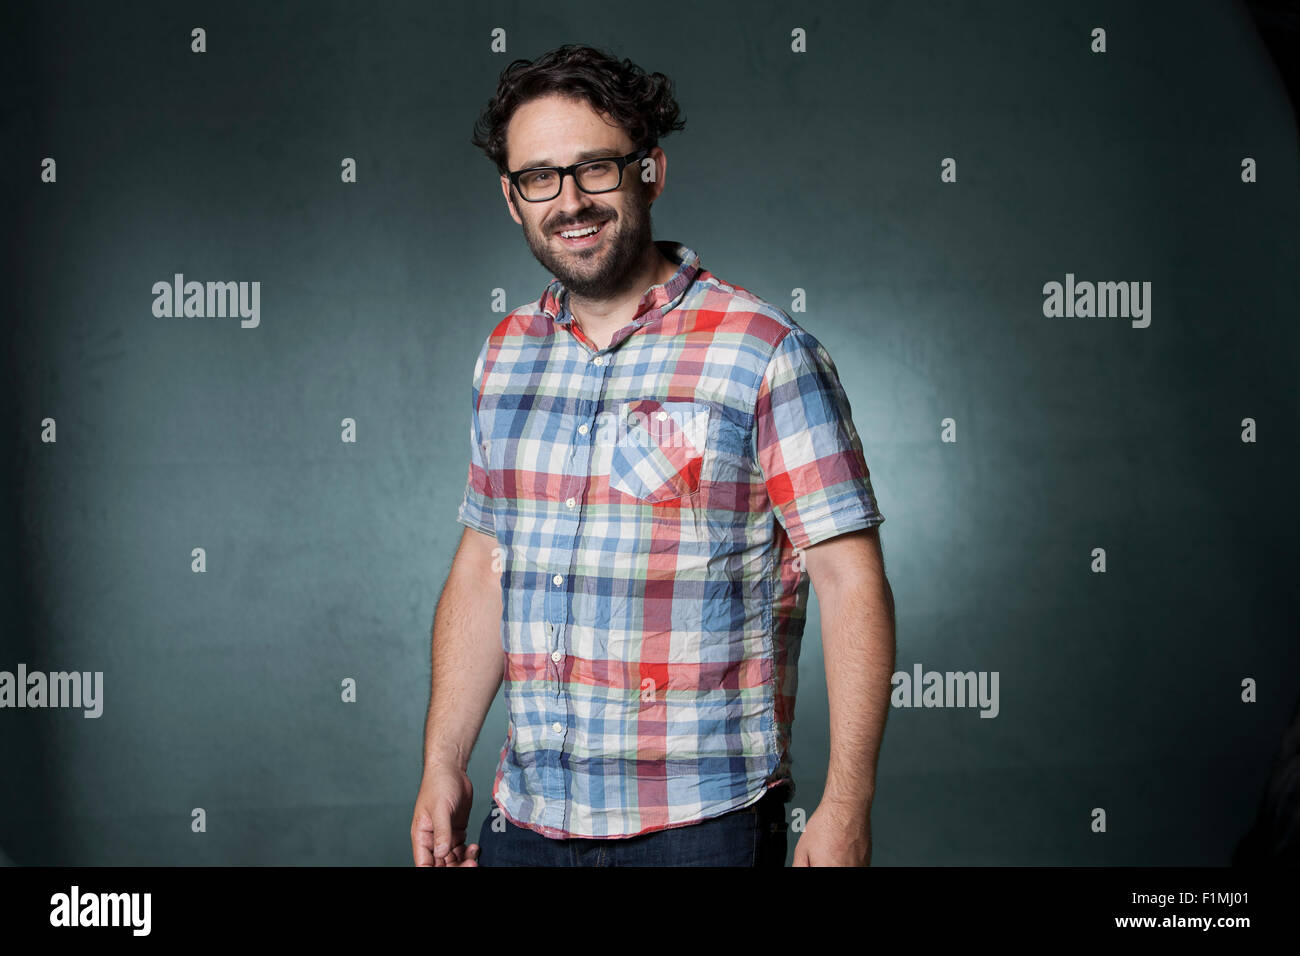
x=476 y=507
x=807 y=448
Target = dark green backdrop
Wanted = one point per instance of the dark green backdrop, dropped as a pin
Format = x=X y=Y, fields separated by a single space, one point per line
x=817 y=171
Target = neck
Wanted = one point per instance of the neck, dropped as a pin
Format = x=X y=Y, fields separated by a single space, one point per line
x=600 y=319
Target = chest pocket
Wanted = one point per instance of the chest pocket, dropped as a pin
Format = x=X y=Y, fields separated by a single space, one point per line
x=659 y=450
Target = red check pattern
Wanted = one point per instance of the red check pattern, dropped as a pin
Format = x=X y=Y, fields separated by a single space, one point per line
x=650 y=500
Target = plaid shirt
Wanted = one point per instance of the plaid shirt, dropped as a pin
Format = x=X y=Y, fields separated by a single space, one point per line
x=650 y=501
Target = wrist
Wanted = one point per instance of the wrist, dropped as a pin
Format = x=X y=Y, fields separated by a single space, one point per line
x=855 y=800
x=449 y=757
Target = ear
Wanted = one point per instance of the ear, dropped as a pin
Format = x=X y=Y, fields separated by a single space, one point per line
x=510 y=200
x=656 y=186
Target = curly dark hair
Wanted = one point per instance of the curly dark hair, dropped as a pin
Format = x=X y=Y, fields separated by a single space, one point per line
x=642 y=104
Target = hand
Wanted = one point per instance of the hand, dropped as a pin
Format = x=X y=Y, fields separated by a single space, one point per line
x=441 y=817
x=837 y=834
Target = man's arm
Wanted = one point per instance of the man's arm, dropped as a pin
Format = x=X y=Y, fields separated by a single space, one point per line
x=468 y=661
x=857 y=613
x=468 y=667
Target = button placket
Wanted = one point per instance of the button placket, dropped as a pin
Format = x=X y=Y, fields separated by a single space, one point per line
x=576 y=479
x=573 y=487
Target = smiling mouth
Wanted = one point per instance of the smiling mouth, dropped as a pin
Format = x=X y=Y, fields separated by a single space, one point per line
x=585 y=239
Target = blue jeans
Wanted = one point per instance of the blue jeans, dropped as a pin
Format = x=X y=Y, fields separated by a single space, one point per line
x=753 y=836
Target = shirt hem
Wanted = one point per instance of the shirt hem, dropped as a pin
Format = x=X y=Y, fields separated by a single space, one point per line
x=555 y=833
x=840 y=525
x=476 y=525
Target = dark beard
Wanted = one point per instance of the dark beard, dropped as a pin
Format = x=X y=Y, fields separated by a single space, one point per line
x=622 y=251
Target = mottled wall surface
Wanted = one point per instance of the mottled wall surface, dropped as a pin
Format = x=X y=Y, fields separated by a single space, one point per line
x=906 y=186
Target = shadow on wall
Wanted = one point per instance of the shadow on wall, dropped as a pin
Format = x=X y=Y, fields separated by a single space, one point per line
x=1278 y=23
x=1274 y=839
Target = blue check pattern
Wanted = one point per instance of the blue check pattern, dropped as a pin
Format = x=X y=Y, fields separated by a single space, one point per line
x=651 y=501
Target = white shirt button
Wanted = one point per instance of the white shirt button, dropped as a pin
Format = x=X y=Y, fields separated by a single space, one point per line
x=558 y=579
x=571 y=502
x=582 y=429
x=663 y=416
x=557 y=727
x=599 y=360
x=555 y=656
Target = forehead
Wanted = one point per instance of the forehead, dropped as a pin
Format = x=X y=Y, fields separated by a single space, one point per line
x=553 y=130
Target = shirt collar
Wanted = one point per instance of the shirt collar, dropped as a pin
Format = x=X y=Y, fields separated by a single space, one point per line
x=655 y=302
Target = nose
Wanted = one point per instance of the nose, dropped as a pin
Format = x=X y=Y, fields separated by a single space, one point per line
x=570 y=197
x=572 y=202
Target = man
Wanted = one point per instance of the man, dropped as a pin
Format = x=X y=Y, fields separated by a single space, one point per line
x=657 y=457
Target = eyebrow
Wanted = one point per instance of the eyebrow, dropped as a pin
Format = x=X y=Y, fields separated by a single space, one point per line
x=585 y=154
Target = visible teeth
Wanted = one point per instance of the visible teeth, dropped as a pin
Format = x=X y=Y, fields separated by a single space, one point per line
x=578 y=233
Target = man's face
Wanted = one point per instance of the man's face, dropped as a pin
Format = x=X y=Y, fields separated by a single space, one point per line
x=552 y=131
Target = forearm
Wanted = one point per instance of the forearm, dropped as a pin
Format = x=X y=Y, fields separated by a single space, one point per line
x=468 y=661
x=858 y=644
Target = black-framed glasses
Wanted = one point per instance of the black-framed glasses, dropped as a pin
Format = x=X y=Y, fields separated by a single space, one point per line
x=541 y=183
